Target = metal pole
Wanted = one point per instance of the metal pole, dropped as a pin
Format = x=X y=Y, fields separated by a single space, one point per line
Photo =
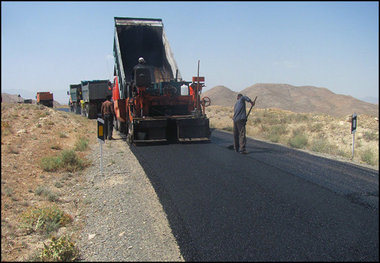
x=198 y=88
x=101 y=159
x=353 y=144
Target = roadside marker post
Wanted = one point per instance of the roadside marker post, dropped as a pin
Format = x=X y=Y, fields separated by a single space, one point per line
x=101 y=141
x=354 y=123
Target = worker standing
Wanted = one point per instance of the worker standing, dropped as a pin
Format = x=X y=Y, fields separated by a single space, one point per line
x=108 y=114
x=141 y=64
x=240 y=120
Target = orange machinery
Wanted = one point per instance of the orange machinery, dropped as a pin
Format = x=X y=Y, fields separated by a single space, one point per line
x=152 y=102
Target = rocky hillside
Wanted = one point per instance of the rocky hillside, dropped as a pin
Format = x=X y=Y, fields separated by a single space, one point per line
x=221 y=95
x=296 y=99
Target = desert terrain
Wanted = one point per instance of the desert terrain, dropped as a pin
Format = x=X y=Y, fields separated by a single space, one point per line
x=43 y=161
x=32 y=137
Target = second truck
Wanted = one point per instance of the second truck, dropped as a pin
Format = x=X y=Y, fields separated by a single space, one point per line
x=87 y=97
x=152 y=102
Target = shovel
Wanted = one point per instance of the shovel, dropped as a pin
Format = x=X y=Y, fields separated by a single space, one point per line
x=250 y=109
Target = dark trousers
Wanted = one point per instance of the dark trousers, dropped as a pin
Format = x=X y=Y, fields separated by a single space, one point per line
x=239 y=135
x=108 y=126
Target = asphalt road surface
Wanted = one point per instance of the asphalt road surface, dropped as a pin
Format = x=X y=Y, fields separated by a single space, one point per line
x=273 y=204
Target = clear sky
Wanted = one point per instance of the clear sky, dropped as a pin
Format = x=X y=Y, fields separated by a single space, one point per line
x=46 y=46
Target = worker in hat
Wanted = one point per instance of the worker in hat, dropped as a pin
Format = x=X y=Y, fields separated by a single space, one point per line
x=141 y=64
x=141 y=60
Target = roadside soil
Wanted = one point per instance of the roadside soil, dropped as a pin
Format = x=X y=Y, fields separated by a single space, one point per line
x=124 y=218
x=116 y=215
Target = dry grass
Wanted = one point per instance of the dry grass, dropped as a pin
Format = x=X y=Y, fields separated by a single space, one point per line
x=30 y=133
x=318 y=133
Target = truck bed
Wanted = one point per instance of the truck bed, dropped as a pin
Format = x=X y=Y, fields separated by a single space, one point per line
x=145 y=38
x=95 y=90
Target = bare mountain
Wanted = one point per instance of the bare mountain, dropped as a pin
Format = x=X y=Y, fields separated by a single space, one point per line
x=298 y=99
x=220 y=95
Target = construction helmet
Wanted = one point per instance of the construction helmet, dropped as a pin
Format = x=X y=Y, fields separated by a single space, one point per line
x=141 y=60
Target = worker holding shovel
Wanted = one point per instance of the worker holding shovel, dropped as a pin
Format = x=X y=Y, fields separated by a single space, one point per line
x=240 y=120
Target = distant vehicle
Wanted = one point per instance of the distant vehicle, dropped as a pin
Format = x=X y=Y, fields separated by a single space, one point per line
x=94 y=93
x=28 y=101
x=45 y=98
x=75 y=98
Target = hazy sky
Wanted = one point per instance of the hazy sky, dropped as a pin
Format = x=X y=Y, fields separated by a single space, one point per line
x=46 y=46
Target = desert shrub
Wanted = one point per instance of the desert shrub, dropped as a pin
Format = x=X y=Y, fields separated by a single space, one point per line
x=69 y=157
x=58 y=185
x=71 y=162
x=50 y=163
x=273 y=137
x=256 y=120
x=279 y=129
x=44 y=220
x=301 y=117
x=287 y=118
x=370 y=136
x=264 y=128
x=81 y=144
x=60 y=249
x=299 y=139
x=323 y=146
x=368 y=157
x=40 y=190
x=316 y=127
x=275 y=132
x=67 y=160
x=271 y=118
x=299 y=131
x=49 y=195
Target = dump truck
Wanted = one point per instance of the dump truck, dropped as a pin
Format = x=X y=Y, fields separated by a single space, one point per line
x=45 y=98
x=75 y=94
x=94 y=93
x=153 y=103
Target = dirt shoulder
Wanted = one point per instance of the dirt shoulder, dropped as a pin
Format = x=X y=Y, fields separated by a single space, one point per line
x=114 y=217
x=125 y=220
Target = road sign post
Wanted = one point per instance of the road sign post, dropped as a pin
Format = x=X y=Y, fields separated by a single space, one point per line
x=354 y=123
x=101 y=141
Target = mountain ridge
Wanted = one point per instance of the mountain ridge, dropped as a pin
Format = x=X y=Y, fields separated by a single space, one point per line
x=299 y=99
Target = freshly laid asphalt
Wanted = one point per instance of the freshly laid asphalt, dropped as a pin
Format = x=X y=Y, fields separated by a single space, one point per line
x=273 y=204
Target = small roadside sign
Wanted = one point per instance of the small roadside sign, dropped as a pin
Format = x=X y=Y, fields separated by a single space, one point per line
x=101 y=141
x=354 y=123
x=100 y=130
